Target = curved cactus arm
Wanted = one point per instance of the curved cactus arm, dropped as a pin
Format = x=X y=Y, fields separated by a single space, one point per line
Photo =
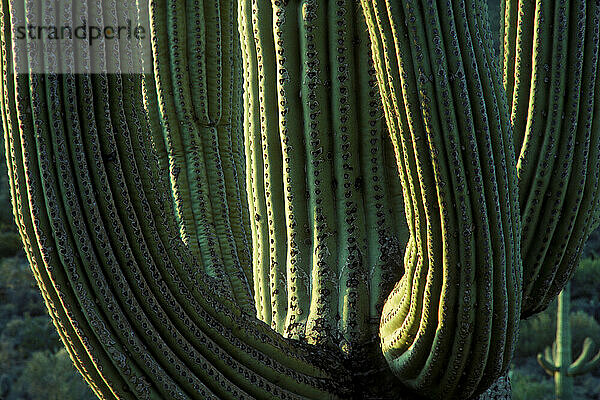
x=590 y=366
x=449 y=327
x=137 y=313
x=586 y=361
x=547 y=362
x=550 y=69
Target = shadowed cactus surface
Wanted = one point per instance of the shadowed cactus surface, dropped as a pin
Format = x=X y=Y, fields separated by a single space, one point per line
x=449 y=327
x=248 y=173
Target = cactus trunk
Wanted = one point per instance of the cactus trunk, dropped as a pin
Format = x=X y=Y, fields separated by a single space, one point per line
x=248 y=172
x=563 y=381
x=448 y=328
x=323 y=210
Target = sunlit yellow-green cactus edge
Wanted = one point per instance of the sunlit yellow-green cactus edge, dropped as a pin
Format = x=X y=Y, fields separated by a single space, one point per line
x=309 y=199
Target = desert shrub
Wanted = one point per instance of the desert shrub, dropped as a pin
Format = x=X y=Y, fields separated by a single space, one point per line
x=50 y=376
x=528 y=387
x=10 y=244
x=19 y=294
x=592 y=246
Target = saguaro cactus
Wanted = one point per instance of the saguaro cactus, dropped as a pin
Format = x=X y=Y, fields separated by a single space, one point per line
x=162 y=211
x=455 y=147
x=140 y=316
x=558 y=361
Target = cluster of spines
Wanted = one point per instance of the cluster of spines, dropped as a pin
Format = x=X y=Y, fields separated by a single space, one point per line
x=550 y=76
x=138 y=314
x=323 y=206
x=448 y=328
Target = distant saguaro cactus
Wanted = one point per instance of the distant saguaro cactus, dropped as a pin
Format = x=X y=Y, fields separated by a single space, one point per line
x=558 y=361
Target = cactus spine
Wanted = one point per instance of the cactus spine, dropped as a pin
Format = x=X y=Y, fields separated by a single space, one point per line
x=558 y=361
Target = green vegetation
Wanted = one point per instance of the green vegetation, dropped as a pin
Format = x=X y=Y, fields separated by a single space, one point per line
x=538 y=333
x=33 y=362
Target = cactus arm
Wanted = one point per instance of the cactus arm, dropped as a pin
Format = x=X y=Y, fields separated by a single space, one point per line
x=563 y=39
x=424 y=352
x=587 y=191
x=377 y=14
x=586 y=361
x=547 y=363
x=575 y=117
x=587 y=367
x=557 y=139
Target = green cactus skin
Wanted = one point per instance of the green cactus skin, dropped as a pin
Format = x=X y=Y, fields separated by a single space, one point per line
x=558 y=362
x=423 y=53
x=550 y=70
x=321 y=197
x=449 y=327
x=138 y=313
x=137 y=196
